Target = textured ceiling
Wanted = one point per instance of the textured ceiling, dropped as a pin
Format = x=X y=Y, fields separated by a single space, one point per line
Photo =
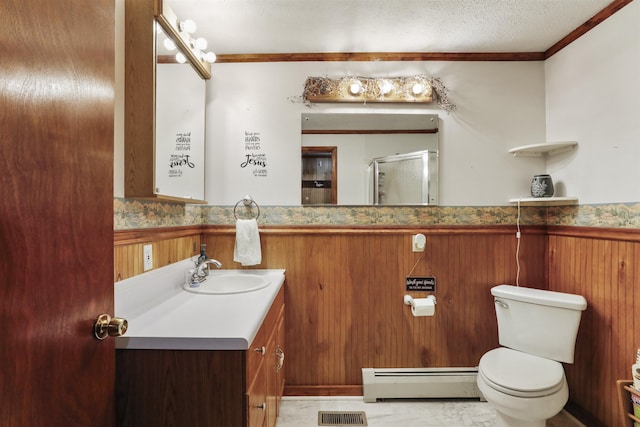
x=317 y=26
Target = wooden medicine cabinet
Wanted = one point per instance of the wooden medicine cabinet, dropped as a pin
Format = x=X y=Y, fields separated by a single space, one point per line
x=164 y=108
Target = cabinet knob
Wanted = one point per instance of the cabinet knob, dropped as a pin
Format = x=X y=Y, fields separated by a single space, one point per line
x=262 y=350
x=262 y=406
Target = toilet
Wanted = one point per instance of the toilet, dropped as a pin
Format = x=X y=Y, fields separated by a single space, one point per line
x=524 y=379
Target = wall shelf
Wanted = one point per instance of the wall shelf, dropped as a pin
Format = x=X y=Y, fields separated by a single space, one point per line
x=548 y=148
x=545 y=201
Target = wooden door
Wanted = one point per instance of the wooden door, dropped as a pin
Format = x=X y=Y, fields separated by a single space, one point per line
x=56 y=212
x=319 y=175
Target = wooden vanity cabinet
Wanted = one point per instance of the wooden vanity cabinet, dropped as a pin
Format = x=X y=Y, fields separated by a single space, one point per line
x=265 y=371
x=204 y=388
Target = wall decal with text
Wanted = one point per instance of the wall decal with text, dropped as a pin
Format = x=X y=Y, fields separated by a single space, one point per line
x=254 y=158
x=177 y=160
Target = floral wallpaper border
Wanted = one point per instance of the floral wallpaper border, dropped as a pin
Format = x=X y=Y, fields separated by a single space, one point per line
x=135 y=214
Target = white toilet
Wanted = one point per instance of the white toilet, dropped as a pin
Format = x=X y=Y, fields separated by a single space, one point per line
x=524 y=379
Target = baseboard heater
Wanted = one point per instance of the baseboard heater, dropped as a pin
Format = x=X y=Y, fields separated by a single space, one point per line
x=412 y=383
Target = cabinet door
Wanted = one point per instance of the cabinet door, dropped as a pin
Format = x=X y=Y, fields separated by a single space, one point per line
x=257 y=399
x=280 y=359
x=272 y=384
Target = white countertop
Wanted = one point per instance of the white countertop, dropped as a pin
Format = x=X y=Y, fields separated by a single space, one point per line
x=162 y=315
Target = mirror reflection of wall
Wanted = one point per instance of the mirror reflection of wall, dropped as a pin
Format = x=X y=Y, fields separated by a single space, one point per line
x=180 y=131
x=179 y=122
x=359 y=139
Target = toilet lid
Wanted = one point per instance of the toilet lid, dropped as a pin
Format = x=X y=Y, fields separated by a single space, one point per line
x=521 y=374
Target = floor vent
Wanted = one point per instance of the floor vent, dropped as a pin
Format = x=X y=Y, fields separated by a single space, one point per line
x=342 y=418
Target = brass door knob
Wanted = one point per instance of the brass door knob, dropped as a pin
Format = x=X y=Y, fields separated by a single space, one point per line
x=109 y=326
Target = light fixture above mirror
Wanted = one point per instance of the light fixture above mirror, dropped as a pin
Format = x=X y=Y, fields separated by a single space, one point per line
x=412 y=89
x=180 y=34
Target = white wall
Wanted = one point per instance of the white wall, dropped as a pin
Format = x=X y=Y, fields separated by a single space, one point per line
x=593 y=96
x=500 y=106
x=589 y=92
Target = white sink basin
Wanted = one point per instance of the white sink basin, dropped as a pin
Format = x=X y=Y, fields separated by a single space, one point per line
x=229 y=283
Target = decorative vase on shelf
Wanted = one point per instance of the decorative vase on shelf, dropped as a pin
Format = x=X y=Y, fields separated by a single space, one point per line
x=542 y=186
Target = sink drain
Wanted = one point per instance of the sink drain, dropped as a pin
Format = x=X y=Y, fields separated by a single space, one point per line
x=342 y=418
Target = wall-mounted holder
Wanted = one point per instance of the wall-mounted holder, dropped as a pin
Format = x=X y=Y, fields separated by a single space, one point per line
x=418 y=242
x=421 y=306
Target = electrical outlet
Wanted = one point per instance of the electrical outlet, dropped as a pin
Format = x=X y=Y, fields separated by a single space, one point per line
x=147 y=255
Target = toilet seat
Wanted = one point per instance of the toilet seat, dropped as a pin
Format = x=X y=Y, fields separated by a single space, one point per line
x=520 y=374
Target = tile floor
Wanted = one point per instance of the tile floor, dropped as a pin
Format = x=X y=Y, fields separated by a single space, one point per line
x=303 y=412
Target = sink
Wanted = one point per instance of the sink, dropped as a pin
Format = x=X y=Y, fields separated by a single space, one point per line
x=229 y=283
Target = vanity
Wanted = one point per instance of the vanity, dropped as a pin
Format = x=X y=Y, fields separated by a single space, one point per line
x=199 y=359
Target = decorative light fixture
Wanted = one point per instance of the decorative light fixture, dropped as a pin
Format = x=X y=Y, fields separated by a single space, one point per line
x=418 y=89
x=181 y=34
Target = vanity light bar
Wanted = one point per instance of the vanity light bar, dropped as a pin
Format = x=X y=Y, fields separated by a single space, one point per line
x=170 y=24
x=369 y=89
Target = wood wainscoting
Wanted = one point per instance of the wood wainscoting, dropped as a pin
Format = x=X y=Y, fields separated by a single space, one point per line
x=603 y=265
x=345 y=288
x=169 y=245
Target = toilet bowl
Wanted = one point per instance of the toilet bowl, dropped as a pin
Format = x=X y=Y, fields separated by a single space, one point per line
x=524 y=389
x=524 y=379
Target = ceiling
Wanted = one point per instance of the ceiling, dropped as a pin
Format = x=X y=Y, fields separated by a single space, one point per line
x=326 y=26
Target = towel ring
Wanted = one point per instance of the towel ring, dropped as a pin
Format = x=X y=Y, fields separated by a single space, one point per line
x=247 y=201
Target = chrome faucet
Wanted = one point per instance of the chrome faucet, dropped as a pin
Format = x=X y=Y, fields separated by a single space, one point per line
x=215 y=262
x=198 y=274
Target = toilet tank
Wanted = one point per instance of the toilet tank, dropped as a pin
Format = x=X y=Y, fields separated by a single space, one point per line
x=538 y=322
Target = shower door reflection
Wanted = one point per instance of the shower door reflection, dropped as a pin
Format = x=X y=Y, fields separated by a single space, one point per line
x=405 y=179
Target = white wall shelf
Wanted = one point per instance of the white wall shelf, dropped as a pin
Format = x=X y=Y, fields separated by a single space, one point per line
x=547 y=148
x=545 y=201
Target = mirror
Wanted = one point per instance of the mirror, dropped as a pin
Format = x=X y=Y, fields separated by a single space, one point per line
x=180 y=124
x=164 y=108
x=377 y=159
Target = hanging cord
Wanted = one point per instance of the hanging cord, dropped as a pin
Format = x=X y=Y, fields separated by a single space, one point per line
x=518 y=246
x=414 y=265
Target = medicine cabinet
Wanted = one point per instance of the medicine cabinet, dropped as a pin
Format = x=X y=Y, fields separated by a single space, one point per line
x=164 y=108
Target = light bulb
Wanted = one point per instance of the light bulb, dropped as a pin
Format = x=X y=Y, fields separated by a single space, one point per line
x=181 y=58
x=385 y=87
x=169 y=44
x=355 y=87
x=188 y=26
x=210 y=57
x=417 y=88
x=201 y=43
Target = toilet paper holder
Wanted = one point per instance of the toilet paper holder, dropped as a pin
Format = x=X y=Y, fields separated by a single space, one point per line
x=408 y=299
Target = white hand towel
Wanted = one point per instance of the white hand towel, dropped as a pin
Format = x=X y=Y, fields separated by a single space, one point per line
x=247 y=250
